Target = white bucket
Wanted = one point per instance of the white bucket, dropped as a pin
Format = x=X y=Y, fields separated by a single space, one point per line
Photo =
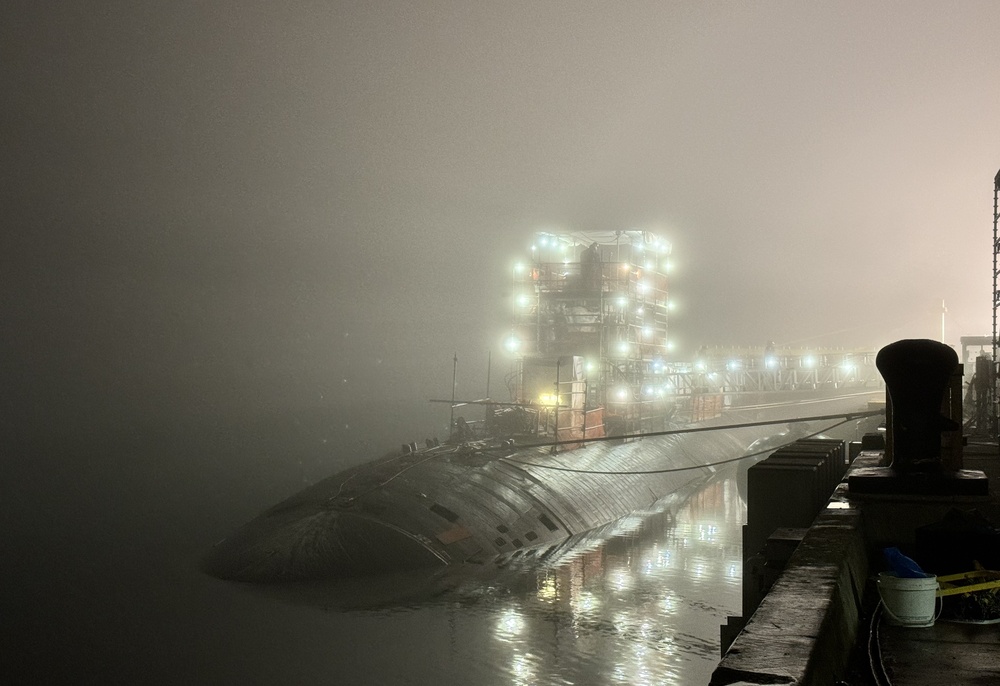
x=908 y=601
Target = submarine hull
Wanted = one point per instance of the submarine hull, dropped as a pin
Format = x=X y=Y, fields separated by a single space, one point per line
x=477 y=503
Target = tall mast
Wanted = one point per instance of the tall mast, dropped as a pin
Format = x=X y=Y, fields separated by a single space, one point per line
x=996 y=303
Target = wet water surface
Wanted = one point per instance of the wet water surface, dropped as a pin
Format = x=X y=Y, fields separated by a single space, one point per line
x=108 y=590
x=639 y=602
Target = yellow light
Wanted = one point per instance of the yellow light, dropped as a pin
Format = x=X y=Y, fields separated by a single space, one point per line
x=548 y=399
x=547 y=590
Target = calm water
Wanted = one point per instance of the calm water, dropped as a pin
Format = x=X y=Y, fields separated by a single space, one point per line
x=100 y=585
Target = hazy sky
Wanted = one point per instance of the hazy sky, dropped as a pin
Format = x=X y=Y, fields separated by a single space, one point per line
x=291 y=203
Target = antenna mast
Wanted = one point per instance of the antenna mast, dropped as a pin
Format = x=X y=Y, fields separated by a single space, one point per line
x=996 y=304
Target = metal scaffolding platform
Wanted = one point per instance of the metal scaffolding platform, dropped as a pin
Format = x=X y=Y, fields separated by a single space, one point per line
x=590 y=330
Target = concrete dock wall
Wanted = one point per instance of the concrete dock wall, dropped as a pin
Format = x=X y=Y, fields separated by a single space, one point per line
x=804 y=629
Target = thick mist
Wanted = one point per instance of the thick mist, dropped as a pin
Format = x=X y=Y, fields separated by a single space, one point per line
x=244 y=208
x=243 y=240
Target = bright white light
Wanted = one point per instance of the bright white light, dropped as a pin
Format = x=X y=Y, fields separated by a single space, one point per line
x=641 y=287
x=510 y=624
x=523 y=300
x=771 y=361
x=624 y=265
x=622 y=301
x=519 y=267
x=623 y=348
x=622 y=394
x=586 y=602
x=641 y=310
x=733 y=364
x=809 y=361
x=649 y=265
x=512 y=344
x=699 y=365
x=522 y=670
x=669 y=604
x=647 y=332
x=544 y=240
x=670 y=345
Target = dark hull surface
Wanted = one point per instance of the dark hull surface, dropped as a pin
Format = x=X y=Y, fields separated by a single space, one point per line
x=475 y=503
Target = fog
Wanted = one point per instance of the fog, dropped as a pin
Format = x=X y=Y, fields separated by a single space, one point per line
x=243 y=241
x=241 y=206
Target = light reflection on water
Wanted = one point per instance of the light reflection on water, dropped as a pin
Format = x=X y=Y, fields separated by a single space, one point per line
x=642 y=606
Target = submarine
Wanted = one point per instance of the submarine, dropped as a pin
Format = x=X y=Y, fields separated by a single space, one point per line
x=600 y=424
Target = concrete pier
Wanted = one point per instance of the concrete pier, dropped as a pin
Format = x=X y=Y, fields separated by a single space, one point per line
x=813 y=626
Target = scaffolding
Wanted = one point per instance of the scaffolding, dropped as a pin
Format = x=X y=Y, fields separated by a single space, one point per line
x=591 y=310
x=590 y=326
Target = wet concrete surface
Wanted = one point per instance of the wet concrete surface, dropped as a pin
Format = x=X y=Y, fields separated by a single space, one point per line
x=950 y=651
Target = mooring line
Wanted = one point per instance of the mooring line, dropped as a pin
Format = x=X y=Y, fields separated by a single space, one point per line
x=849 y=418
